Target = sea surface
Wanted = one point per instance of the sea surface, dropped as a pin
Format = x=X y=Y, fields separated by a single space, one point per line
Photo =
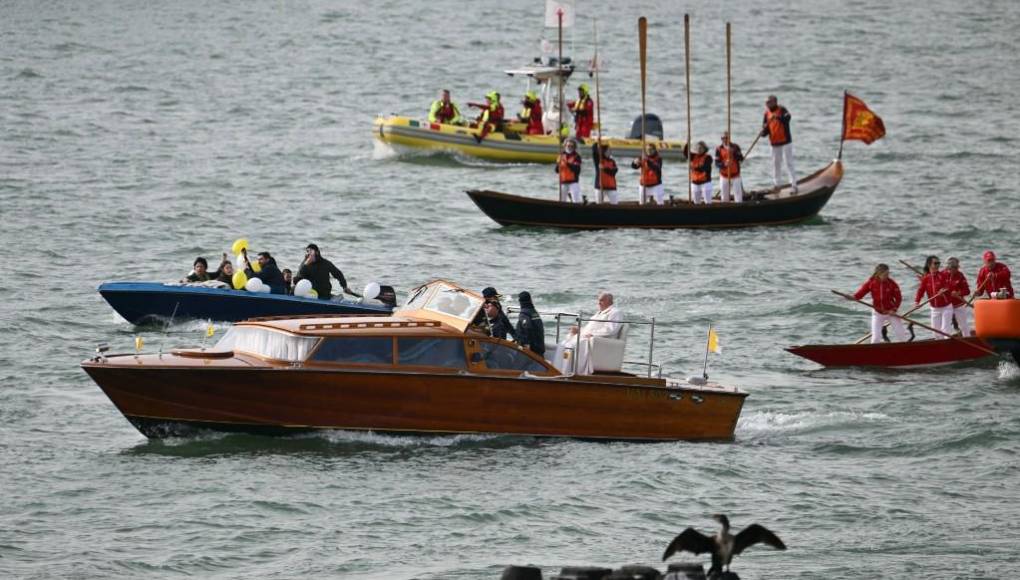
x=135 y=136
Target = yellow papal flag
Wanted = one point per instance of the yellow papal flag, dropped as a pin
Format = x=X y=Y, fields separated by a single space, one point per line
x=139 y=343
x=713 y=341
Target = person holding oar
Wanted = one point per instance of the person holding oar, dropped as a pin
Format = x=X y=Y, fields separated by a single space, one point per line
x=957 y=288
x=886 y=296
x=569 y=168
x=650 y=165
x=776 y=126
x=932 y=285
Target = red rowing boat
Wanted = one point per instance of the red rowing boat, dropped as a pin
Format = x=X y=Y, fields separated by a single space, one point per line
x=918 y=353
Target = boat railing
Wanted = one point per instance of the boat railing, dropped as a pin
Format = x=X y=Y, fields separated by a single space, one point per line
x=576 y=319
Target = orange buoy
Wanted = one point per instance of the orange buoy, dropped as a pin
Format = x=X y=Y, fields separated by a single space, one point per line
x=997 y=318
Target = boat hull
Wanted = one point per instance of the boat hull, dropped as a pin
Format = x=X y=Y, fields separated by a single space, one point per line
x=159 y=401
x=141 y=302
x=773 y=209
x=920 y=353
x=504 y=147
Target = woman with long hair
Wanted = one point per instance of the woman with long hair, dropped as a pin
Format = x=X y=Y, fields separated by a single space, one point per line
x=886 y=299
x=933 y=285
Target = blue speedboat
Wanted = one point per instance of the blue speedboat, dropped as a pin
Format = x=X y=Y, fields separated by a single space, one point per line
x=141 y=302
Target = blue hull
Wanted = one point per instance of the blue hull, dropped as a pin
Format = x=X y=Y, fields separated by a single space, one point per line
x=140 y=302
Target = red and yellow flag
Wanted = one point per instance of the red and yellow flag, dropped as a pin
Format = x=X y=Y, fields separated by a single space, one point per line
x=859 y=122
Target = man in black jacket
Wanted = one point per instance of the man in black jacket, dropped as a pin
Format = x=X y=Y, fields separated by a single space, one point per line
x=317 y=270
x=269 y=272
x=530 y=330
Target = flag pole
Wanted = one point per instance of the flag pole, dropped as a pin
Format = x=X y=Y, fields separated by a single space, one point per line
x=842 y=133
x=708 y=342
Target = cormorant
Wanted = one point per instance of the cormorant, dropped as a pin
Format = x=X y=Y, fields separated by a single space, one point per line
x=724 y=545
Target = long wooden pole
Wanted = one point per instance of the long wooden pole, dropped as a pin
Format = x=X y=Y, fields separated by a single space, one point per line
x=925 y=326
x=753 y=143
x=642 y=24
x=559 y=75
x=729 y=91
x=687 y=70
x=597 y=159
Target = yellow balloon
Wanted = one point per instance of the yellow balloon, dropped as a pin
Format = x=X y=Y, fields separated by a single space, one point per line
x=313 y=293
x=239 y=279
x=256 y=267
x=239 y=244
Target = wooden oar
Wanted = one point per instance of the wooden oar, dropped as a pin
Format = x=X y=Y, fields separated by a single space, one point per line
x=729 y=92
x=687 y=70
x=597 y=159
x=917 y=271
x=925 y=326
x=907 y=313
x=642 y=25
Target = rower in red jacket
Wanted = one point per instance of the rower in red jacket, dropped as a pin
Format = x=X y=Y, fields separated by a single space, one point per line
x=957 y=289
x=886 y=298
x=933 y=285
x=993 y=278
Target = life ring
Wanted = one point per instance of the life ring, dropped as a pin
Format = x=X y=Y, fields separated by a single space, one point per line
x=997 y=318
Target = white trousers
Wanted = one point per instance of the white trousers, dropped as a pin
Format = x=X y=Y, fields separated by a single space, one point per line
x=879 y=320
x=731 y=184
x=570 y=192
x=656 y=191
x=942 y=319
x=612 y=196
x=565 y=355
x=783 y=154
x=961 y=314
x=702 y=192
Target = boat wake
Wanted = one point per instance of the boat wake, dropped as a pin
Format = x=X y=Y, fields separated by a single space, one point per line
x=1009 y=371
x=763 y=424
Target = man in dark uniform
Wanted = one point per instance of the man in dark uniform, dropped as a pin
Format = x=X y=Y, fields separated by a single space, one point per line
x=317 y=270
x=269 y=272
x=492 y=320
x=530 y=330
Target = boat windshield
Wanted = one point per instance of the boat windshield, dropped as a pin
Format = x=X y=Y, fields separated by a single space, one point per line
x=444 y=298
x=267 y=343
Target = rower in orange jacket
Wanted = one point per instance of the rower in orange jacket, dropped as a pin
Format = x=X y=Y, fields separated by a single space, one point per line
x=605 y=177
x=583 y=110
x=569 y=168
x=933 y=284
x=993 y=278
x=701 y=173
x=728 y=158
x=886 y=299
x=651 y=175
x=776 y=126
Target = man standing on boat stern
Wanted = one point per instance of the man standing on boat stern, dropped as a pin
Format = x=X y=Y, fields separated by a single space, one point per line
x=317 y=270
x=444 y=110
x=569 y=168
x=776 y=126
x=993 y=278
x=728 y=158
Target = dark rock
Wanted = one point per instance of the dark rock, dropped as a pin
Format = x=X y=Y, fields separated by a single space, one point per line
x=583 y=573
x=685 y=571
x=521 y=573
x=635 y=572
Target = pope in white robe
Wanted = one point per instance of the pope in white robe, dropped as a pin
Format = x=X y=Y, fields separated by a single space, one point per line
x=607 y=322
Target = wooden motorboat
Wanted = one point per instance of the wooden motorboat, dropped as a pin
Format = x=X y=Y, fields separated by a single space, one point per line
x=142 y=302
x=511 y=146
x=423 y=370
x=997 y=322
x=918 y=353
x=781 y=206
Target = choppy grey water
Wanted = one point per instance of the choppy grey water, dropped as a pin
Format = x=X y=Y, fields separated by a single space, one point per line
x=136 y=136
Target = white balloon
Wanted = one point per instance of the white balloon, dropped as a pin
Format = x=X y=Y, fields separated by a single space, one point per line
x=303 y=287
x=254 y=285
x=371 y=291
x=265 y=289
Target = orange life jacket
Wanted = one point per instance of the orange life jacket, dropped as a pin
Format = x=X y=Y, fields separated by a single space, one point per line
x=728 y=159
x=570 y=167
x=701 y=168
x=778 y=124
x=607 y=173
x=651 y=171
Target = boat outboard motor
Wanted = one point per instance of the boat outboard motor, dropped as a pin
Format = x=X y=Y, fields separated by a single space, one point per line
x=653 y=126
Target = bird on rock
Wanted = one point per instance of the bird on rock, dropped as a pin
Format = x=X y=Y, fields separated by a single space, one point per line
x=723 y=545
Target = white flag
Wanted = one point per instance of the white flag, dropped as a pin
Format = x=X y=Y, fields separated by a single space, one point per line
x=553 y=9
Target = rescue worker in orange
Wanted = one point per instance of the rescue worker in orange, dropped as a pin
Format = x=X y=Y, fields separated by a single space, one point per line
x=532 y=114
x=443 y=110
x=650 y=165
x=583 y=110
x=569 y=168
x=728 y=158
x=886 y=299
x=993 y=278
x=776 y=126
x=605 y=177
x=491 y=117
x=701 y=174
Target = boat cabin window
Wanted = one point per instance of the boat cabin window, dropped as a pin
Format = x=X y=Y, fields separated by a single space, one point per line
x=267 y=343
x=500 y=356
x=433 y=352
x=444 y=298
x=356 y=350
